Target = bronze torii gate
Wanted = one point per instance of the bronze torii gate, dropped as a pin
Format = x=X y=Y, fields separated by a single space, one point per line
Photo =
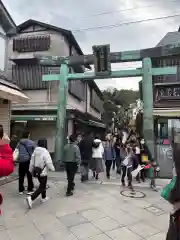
x=102 y=59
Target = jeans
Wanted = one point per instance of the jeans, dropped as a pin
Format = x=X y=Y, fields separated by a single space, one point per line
x=71 y=169
x=108 y=167
x=129 y=175
x=24 y=171
x=41 y=189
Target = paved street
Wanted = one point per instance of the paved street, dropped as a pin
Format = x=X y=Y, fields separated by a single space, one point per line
x=95 y=212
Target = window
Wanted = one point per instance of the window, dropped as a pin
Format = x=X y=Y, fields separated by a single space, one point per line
x=77 y=89
x=95 y=101
x=31 y=44
x=163 y=129
x=2 y=53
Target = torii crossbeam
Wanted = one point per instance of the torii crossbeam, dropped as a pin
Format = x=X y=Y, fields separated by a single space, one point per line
x=147 y=72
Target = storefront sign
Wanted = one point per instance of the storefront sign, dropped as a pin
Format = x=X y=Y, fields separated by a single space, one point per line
x=33 y=118
x=45 y=119
x=167 y=92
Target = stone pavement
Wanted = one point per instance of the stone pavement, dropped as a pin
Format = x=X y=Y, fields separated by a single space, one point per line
x=95 y=212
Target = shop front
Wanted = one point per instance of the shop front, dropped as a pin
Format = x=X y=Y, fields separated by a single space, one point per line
x=9 y=93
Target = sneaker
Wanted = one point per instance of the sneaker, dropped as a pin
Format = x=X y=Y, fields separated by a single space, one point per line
x=30 y=192
x=29 y=202
x=21 y=193
x=131 y=187
x=69 y=194
x=43 y=200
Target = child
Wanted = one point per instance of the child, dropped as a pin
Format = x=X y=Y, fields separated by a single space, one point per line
x=72 y=159
x=40 y=162
x=152 y=171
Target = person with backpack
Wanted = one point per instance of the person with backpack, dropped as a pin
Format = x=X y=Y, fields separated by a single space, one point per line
x=97 y=157
x=40 y=163
x=25 y=148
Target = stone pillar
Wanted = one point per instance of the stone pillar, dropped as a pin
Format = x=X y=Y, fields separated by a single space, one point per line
x=148 y=119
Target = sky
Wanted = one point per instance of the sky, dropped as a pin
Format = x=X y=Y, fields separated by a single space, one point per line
x=84 y=17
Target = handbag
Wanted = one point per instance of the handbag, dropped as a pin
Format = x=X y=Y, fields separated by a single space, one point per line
x=36 y=172
x=144 y=158
x=168 y=188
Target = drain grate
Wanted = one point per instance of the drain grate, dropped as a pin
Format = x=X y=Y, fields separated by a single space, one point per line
x=155 y=210
x=132 y=194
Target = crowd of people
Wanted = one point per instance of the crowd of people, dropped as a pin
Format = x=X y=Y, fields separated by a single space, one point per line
x=94 y=154
x=88 y=153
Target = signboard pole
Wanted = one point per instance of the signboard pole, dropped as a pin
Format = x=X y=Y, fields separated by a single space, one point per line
x=148 y=120
x=61 y=116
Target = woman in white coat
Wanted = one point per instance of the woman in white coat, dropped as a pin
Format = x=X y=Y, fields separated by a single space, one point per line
x=97 y=157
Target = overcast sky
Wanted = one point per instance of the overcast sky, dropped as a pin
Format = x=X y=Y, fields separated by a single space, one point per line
x=80 y=15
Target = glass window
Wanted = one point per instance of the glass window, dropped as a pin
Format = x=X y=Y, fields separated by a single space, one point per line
x=2 y=53
x=163 y=129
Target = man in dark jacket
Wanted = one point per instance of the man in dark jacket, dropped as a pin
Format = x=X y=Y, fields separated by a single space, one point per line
x=72 y=160
x=26 y=148
x=85 y=147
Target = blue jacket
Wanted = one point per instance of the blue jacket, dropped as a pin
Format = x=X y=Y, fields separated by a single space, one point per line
x=109 y=152
x=26 y=148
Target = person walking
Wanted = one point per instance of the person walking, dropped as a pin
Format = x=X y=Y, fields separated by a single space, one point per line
x=72 y=159
x=85 y=147
x=97 y=157
x=25 y=149
x=118 y=156
x=40 y=163
x=127 y=167
x=109 y=155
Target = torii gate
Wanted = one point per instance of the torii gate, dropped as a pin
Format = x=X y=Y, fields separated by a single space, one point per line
x=102 y=59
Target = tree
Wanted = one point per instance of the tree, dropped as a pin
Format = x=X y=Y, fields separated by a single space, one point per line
x=116 y=104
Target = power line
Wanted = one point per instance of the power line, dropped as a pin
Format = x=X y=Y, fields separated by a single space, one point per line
x=124 y=10
x=125 y=23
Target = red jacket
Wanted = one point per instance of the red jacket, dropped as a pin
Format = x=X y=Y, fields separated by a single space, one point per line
x=6 y=160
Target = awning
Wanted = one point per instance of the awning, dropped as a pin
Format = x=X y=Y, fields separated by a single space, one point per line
x=33 y=117
x=91 y=123
x=12 y=94
x=97 y=124
x=166 y=112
